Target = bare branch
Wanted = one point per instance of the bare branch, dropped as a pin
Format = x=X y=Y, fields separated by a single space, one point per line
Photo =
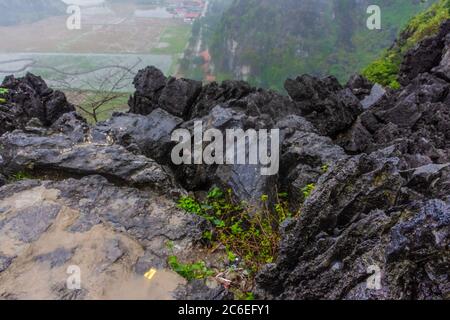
x=101 y=87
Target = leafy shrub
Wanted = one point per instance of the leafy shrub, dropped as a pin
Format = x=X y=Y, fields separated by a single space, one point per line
x=3 y=92
x=308 y=190
x=325 y=168
x=19 y=176
x=246 y=232
x=385 y=70
x=190 y=205
x=249 y=296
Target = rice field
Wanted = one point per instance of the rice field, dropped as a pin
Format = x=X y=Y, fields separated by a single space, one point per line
x=115 y=44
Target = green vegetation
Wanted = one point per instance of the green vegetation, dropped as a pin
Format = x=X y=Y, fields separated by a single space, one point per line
x=385 y=70
x=3 y=93
x=308 y=190
x=191 y=271
x=19 y=176
x=249 y=235
x=246 y=232
x=249 y=296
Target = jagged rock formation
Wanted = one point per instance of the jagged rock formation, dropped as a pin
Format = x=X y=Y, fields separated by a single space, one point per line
x=427 y=57
x=28 y=98
x=416 y=117
x=154 y=90
x=325 y=103
x=379 y=160
x=386 y=207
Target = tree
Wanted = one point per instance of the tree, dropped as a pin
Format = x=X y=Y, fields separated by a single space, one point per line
x=100 y=92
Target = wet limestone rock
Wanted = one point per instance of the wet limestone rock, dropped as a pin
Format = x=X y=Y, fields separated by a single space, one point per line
x=103 y=229
x=30 y=97
x=331 y=108
x=147 y=135
x=362 y=218
x=154 y=90
x=59 y=154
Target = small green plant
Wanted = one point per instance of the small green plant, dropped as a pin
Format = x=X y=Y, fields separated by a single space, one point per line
x=231 y=256
x=384 y=71
x=308 y=190
x=170 y=245
x=190 y=205
x=208 y=235
x=3 y=92
x=19 y=176
x=282 y=208
x=236 y=228
x=325 y=168
x=215 y=193
x=283 y=195
x=249 y=235
x=248 y=296
x=245 y=232
x=190 y=271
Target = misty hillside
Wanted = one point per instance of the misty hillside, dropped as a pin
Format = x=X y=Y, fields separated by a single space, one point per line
x=267 y=41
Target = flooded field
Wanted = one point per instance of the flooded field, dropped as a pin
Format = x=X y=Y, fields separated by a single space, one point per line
x=114 y=41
